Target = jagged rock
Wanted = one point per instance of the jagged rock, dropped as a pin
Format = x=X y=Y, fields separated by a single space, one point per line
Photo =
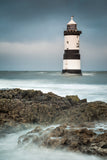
x=80 y=140
x=31 y=106
x=73 y=99
x=34 y=107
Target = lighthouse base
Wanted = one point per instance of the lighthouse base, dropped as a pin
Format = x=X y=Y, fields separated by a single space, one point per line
x=72 y=71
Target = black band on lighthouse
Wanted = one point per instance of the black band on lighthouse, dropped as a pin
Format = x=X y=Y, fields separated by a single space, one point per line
x=71 y=71
x=71 y=56
x=71 y=51
x=72 y=33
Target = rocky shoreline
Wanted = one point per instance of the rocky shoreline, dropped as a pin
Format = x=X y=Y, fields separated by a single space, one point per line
x=68 y=138
x=19 y=108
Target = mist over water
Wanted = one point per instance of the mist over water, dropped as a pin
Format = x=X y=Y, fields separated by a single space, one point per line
x=9 y=150
x=91 y=85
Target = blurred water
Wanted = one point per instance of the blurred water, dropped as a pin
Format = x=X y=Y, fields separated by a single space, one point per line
x=91 y=85
x=9 y=150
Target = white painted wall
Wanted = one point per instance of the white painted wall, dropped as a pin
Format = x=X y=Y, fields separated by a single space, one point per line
x=71 y=64
x=71 y=42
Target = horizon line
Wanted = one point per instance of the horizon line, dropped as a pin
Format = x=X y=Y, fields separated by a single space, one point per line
x=49 y=71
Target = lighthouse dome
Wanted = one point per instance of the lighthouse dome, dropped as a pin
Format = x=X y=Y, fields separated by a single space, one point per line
x=71 y=25
x=71 y=21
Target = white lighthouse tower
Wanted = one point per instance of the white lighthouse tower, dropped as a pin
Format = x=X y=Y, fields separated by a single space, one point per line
x=71 y=57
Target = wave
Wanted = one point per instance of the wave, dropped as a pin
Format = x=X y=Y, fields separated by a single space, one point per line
x=90 y=91
x=91 y=85
x=88 y=74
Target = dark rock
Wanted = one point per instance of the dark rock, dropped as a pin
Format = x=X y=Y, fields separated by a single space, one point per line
x=73 y=99
x=31 y=106
x=83 y=101
x=79 y=140
x=104 y=146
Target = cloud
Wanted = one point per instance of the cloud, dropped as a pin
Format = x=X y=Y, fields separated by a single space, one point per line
x=93 y=57
x=29 y=48
x=28 y=56
x=48 y=56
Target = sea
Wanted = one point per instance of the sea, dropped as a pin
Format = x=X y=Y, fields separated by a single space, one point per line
x=91 y=85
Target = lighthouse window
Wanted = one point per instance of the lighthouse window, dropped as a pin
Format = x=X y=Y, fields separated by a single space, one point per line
x=77 y=45
x=67 y=42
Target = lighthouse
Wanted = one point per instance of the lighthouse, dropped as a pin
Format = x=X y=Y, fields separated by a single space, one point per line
x=71 y=57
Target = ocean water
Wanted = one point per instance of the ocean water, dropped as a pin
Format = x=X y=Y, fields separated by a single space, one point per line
x=91 y=85
x=10 y=150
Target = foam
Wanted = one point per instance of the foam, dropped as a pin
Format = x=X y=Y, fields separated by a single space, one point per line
x=11 y=151
x=91 y=85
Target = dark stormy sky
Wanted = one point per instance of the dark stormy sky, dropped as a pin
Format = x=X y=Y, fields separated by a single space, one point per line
x=31 y=33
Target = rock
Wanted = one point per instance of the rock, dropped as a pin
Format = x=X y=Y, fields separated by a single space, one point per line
x=37 y=129
x=22 y=107
x=73 y=99
x=79 y=140
x=31 y=106
x=83 y=101
x=104 y=146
